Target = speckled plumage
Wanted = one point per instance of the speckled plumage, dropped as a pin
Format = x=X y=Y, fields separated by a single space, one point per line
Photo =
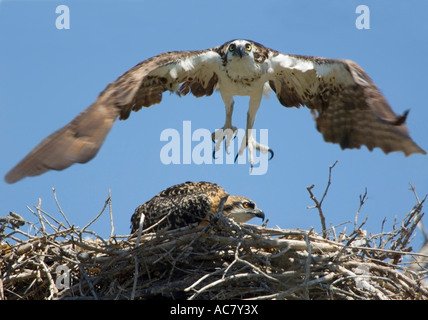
x=191 y=202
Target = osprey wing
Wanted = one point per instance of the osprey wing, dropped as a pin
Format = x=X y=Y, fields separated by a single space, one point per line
x=347 y=106
x=141 y=86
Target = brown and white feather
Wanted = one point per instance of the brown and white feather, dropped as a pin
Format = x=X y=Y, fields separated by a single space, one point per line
x=189 y=203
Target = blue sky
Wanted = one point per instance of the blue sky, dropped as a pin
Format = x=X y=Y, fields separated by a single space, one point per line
x=48 y=76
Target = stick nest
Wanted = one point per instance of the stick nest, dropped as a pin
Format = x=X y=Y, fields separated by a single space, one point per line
x=223 y=260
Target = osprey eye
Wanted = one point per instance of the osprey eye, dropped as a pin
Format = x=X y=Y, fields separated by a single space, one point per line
x=232 y=47
x=248 y=47
x=247 y=205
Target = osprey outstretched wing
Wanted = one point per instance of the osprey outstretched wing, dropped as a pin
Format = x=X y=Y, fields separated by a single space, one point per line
x=347 y=106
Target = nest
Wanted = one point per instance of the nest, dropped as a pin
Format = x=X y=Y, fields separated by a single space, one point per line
x=222 y=260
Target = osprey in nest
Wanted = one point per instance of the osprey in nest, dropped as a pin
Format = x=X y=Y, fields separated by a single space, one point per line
x=192 y=202
x=347 y=106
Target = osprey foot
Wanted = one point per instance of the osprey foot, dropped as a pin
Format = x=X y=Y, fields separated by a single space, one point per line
x=252 y=145
x=226 y=134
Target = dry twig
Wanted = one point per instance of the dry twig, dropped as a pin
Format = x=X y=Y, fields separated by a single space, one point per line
x=318 y=204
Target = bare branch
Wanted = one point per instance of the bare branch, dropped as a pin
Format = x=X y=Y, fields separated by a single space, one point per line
x=59 y=207
x=318 y=204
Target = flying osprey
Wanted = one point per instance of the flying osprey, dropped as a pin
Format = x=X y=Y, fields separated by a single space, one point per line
x=347 y=106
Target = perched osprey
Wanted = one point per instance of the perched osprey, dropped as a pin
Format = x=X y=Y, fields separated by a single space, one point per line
x=347 y=106
x=189 y=203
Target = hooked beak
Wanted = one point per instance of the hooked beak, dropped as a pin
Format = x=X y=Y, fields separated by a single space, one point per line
x=259 y=214
x=239 y=51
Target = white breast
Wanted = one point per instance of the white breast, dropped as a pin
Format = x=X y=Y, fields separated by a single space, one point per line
x=243 y=77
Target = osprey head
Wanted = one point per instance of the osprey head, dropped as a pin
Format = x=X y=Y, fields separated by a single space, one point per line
x=241 y=209
x=240 y=49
